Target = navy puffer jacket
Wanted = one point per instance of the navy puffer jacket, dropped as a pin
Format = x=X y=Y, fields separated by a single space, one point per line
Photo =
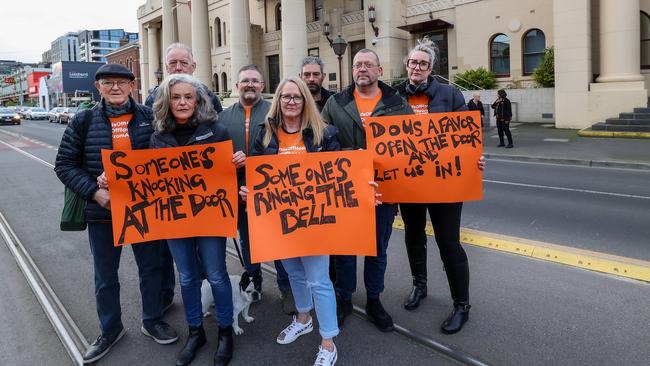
x=79 y=160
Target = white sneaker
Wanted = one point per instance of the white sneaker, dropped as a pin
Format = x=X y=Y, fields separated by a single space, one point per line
x=325 y=357
x=294 y=330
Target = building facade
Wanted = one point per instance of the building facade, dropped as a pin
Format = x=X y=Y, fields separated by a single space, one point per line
x=94 y=45
x=129 y=56
x=602 y=47
x=65 y=48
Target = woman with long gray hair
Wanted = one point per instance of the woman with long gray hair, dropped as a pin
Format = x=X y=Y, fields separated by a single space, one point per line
x=184 y=116
x=426 y=95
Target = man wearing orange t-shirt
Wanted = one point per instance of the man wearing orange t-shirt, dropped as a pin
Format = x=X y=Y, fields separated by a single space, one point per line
x=347 y=111
x=117 y=122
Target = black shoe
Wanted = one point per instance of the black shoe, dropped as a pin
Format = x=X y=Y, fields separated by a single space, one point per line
x=509 y=146
x=224 y=347
x=195 y=340
x=413 y=301
x=167 y=302
x=343 y=309
x=379 y=316
x=456 y=319
x=501 y=145
x=101 y=346
x=160 y=332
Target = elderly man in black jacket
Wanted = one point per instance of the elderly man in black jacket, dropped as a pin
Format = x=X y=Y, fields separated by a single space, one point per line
x=117 y=122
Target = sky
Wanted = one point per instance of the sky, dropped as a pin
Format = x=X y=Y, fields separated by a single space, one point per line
x=28 y=27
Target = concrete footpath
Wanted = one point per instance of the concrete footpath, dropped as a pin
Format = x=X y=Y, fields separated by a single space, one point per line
x=545 y=143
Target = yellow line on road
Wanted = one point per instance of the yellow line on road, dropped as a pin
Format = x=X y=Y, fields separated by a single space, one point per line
x=620 y=266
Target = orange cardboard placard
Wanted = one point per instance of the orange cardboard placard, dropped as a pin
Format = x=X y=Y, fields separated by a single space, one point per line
x=310 y=204
x=172 y=193
x=427 y=158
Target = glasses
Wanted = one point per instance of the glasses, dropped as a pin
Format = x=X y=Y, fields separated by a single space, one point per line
x=286 y=99
x=367 y=65
x=412 y=64
x=253 y=82
x=110 y=84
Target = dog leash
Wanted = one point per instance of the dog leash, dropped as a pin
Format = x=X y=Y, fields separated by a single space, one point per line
x=241 y=260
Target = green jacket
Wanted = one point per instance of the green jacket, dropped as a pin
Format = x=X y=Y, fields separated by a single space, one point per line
x=233 y=119
x=341 y=111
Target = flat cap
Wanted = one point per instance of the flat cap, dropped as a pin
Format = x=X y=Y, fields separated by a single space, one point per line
x=115 y=70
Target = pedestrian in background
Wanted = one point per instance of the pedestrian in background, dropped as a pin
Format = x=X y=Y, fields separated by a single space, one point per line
x=503 y=113
x=426 y=95
x=475 y=104
x=116 y=122
x=294 y=126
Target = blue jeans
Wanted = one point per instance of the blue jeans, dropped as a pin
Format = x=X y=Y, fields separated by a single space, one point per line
x=374 y=267
x=106 y=260
x=310 y=279
x=207 y=255
x=167 y=271
x=242 y=225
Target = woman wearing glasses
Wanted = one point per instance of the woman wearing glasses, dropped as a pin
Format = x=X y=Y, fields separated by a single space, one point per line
x=294 y=126
x=426 y=95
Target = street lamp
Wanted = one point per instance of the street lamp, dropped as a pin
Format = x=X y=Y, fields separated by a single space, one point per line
x=372 y=17
x=159 y=75
x=338 y=45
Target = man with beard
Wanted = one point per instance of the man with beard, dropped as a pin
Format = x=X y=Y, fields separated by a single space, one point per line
x=312 y=73
x=243 y=121
x=347 y=111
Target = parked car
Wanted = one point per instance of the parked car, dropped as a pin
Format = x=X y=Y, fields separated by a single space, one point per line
x=23 y=111
x=66 y=115
x=37 y=113
x=53 y=114
x=9 y=117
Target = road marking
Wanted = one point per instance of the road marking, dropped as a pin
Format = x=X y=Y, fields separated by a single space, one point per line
x=27 y=154
x=595 y=261
x=567 y=189
x=556 y=140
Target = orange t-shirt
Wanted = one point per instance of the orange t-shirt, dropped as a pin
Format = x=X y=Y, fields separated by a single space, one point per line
x=290 y=143
x=247 y=124
x=419 y=103
x=365 y=106
x=120 y=128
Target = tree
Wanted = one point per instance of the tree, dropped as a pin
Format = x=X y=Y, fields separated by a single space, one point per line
x=480 y=78
x=544 y=73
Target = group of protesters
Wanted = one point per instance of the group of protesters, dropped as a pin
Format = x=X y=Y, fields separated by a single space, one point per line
x=303 y=117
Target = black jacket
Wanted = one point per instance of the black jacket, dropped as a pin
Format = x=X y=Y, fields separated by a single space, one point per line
x=442 y=97
x=324 y=96
x=476 y=106
x=79 y=160
x=205 y=133
x=330 y=142
x=216 y=103
x=502 y=110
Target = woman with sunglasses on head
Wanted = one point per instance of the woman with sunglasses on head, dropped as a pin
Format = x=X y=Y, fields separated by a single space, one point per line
x=426 y=95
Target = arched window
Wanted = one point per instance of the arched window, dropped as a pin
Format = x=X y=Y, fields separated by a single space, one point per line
x=318 y=9
x=217 y=32
x=225 y=35
x=224 y=82
x=645 y=40
x=534 y=43
x=500 y=55
x=211 y=38
x=215 y=81
x=278 y=16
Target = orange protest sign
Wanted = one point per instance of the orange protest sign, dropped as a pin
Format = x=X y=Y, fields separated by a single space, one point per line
x=172 y=193
x=427 y=158
x=310 y=204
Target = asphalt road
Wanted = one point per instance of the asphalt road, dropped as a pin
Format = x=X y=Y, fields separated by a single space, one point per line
x=524 y=311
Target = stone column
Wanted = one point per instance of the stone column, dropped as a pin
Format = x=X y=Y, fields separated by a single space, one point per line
x=201 y=41
x=168 y=25
x=294 y=36
x=153 y=54
x=620 y=54
x=240 y=38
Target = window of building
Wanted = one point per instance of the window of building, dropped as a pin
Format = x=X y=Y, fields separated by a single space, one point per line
x=217 y=31
x=313 y=52
x=224 y=33
x=318 y=9
x=278 y=17
x=224 y=82
x=500 y=55
x=533 y=49
x=645 y=40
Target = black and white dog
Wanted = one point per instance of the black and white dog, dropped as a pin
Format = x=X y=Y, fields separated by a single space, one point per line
x=241 y=301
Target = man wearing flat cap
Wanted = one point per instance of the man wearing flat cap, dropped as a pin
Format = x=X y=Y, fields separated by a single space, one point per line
x=116 y=122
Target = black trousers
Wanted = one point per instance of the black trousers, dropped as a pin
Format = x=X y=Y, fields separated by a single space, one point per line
x=504 y=127
x=445 y=219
